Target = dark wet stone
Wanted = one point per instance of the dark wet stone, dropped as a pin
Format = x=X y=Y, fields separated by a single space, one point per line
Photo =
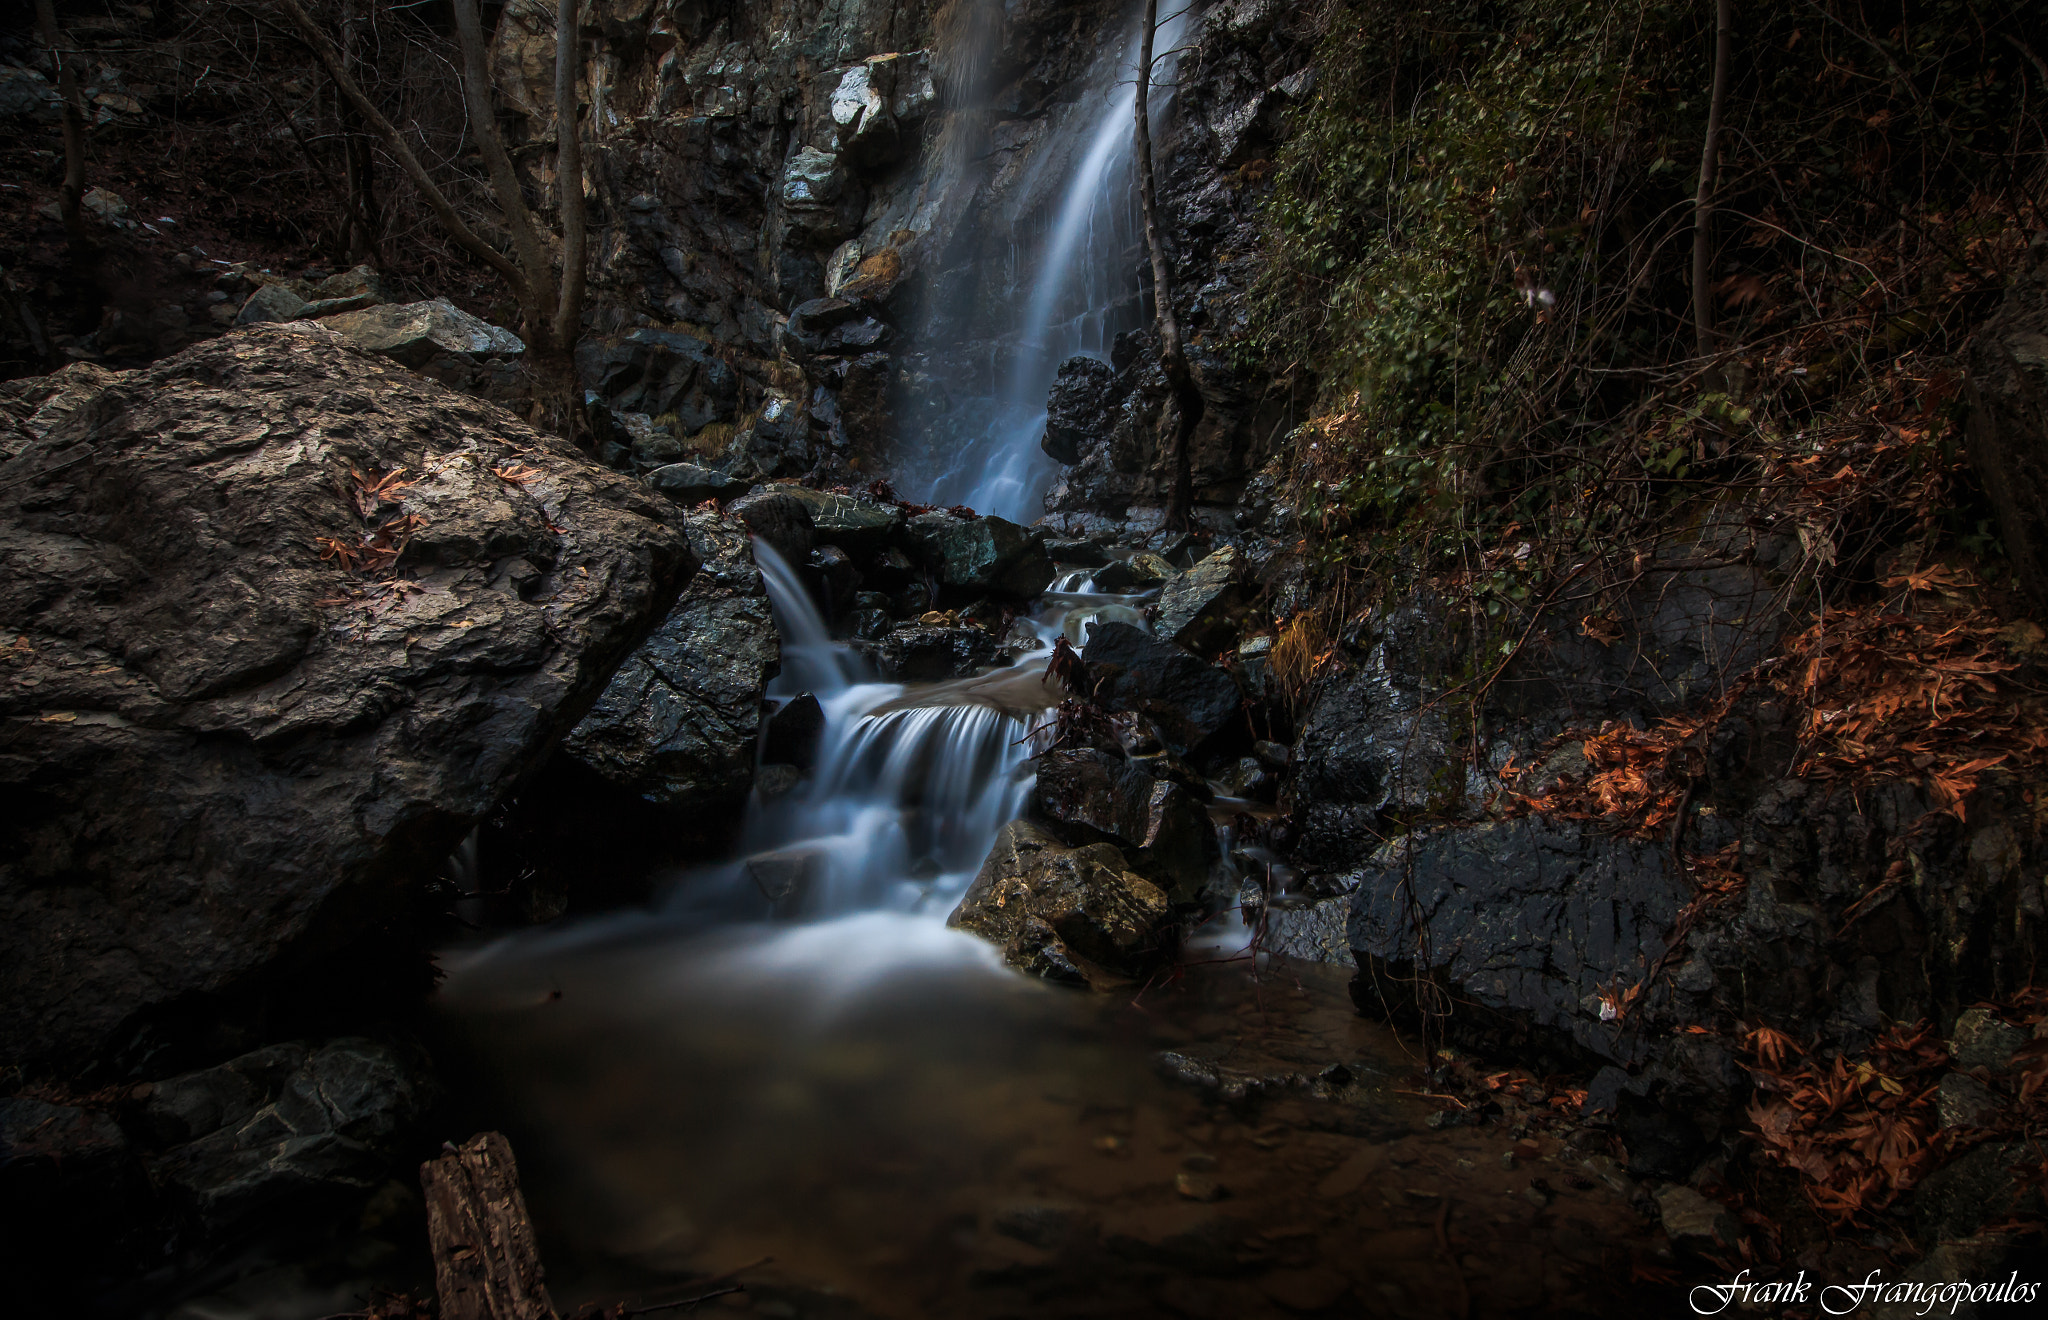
x=986 y=553
x=1081 y=554
x=663 y=373
x=1524 y=921
x=1140 y=571
x=1096 y=796
x=1978 y=1187
x=282 y=1129
x=1034 y=892
x=1082 y=409
x=1201 y=607
x=779 y=518
x=924 y=653
x=862 y=526
x=793 y=733
x=689 y=484
x=677 y=724
x=1186 y=699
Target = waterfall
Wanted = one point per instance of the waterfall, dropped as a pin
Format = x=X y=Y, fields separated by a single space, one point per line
x=1084 y=287
x=904 y=799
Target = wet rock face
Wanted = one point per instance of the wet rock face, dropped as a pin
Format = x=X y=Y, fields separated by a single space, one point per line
x=678 y=723
x=1074 y=915
x=224 y=753
x=1525 y=921
x=779 y=518
x=661 y=373
x=1371 y=744
x=1082 y=409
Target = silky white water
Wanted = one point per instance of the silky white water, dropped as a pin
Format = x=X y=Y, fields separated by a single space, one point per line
x=1081 y=280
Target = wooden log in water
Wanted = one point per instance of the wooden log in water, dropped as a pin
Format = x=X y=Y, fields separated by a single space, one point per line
x=486 y=1266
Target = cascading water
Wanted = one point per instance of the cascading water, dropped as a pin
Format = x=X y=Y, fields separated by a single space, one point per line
x=1082 y=289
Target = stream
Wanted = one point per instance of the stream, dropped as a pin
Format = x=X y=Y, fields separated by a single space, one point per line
x=790 y=1068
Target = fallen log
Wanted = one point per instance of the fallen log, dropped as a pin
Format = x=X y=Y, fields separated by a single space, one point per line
x=486 y=1266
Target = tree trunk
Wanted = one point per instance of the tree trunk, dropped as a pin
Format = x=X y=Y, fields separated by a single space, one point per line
x=70 y=196
x=437 y=201
x=362 y=227
x=1703 y=204
x=567 y=328
x=486 y=1266
x=536 y=302
x=1173 y=360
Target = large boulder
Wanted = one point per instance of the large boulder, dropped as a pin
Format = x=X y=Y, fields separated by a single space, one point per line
x=1186 y=699
x=777 y=516
x=412 y=333
x=282 y=622
x=1525 y=923
x=678 y=724
x=1075 y=915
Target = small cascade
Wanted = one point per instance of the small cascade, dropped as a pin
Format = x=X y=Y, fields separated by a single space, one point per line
x=908 y=789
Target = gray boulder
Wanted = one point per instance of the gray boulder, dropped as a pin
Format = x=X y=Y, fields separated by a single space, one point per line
x=1523 y=922
x=1201 y=608
x=288 y=745
x=272 y=302
x=1066 y=914
x=1185 y=699
x=413 y=333
x=678 y=723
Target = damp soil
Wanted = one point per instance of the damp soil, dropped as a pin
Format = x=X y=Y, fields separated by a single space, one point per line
x=869 y=1117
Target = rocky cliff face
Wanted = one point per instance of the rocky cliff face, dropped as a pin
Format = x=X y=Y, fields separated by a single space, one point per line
x=814 y=217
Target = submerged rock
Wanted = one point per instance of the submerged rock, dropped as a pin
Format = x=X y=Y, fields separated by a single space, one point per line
x=227 y=754
x=1065 y=913
x=678 y=723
